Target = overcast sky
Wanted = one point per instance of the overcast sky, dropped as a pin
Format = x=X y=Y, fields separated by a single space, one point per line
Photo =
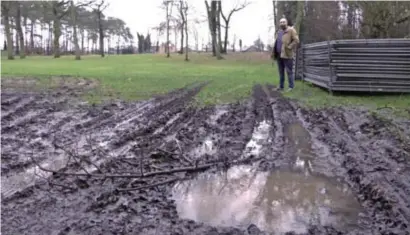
x=248 y=24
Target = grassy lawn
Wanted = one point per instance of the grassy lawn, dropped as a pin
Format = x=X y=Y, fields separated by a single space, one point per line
x=140 y=76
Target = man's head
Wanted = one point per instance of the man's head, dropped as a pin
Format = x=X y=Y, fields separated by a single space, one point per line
x=283 y=23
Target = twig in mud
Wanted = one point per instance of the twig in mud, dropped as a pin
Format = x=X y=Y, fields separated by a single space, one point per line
x=181 y=153
x=141 y=164
x=52 y=183
x=151 y=185
x=165 y=151
x=71 y=155
x=89 y=141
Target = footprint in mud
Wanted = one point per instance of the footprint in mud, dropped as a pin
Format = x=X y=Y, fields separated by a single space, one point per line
x=280 y=201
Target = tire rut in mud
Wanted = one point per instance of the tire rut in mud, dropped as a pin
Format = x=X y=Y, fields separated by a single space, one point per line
x=375 y=166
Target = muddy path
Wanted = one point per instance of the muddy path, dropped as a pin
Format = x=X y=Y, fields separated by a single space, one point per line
x=161 y=166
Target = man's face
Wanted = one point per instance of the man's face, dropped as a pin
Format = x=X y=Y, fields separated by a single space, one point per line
x=283 y=24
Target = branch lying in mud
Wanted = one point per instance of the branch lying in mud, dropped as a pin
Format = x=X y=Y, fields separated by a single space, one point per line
x=151 y=185
x=149 y=174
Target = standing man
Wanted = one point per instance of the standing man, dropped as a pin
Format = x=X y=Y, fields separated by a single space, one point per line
x=285 y=44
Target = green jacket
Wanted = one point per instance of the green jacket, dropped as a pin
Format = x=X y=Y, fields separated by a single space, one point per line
x=289 y=41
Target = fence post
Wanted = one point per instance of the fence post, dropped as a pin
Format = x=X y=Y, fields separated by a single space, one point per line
x=302 y=65
x=330 y=67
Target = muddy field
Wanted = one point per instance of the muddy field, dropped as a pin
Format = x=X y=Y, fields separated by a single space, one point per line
x=161 y=166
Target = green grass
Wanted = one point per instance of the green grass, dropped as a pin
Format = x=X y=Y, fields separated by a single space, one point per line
x=141 y=76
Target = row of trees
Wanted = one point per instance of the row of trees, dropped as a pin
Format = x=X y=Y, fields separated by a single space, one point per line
x=83 y=24
x=216 y=20
x=324 y=20
x=77 y=22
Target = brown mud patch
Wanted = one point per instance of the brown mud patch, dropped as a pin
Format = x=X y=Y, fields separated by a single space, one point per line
x=125 y=167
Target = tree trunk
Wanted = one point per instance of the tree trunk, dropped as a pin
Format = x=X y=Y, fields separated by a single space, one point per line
x=74 y=24
x=175 y=39
x=211 y=11
x=5 y=7
x=25 y=32
x=20 y=32
x=225 y=49
x=274 y=13
x=17 y=44
x=186 y=34
x=101 y=34
x=57 y=34
x=167 y=42
x=32 y=36
x=182 y=39
x=82 y=40
x=218 y=24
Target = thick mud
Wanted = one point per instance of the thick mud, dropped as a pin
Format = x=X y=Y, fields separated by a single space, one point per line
x=161 y=166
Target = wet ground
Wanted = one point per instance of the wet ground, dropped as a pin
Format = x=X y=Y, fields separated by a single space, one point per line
x=161 y=166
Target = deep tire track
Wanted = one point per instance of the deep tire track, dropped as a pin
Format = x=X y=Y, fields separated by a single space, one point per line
x=368 y=170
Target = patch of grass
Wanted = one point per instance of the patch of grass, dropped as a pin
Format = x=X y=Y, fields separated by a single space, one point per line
x=134 y=77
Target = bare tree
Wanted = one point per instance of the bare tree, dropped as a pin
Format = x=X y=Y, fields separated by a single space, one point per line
x=74 y=9
x=59 y=10
x=98 y=9
x=182 y=20
x=5 y=11
x=185 y=10
x=168 y=8
x=227 y=19
x=212 y=12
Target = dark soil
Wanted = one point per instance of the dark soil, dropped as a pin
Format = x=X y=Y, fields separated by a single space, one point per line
x=112 y=166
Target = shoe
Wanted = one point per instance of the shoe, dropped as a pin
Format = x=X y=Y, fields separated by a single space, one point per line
x=289 y=89
x=279 y=89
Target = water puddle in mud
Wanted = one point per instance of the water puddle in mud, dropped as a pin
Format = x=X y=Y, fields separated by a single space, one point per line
x=280 y=201
x=14 y=183
x=300 y=145
x=260 y=137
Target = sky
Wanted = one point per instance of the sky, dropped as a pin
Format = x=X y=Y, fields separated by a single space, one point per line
x=248 y=24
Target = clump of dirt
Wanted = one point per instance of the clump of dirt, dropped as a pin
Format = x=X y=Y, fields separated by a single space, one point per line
x=72 y=168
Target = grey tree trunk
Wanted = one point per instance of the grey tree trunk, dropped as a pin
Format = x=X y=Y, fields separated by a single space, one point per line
x=20 y=32
x=5 y=10
x=167 y=43
x=57 y=34
x=75 y=37
x=186 y=33
x=218 y=25
x=101 y=33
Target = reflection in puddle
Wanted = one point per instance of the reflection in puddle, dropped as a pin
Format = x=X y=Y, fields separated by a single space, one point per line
x=281 y=201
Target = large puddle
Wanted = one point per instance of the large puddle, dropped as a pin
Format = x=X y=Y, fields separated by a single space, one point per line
x=280 y=201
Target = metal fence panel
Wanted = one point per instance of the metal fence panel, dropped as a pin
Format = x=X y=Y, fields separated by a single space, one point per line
x=376 y=65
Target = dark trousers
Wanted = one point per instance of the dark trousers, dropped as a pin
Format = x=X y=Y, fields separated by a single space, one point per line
x=288 y=65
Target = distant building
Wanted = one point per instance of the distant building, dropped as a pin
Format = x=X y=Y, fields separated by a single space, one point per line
x=162 y=48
